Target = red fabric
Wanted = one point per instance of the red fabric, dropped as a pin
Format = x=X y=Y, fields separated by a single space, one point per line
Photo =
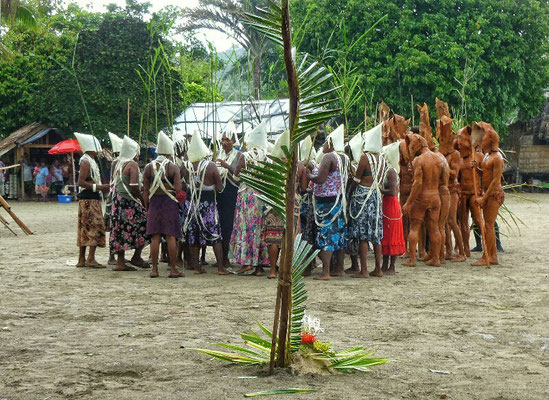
x=181 y=197
x=392 y=243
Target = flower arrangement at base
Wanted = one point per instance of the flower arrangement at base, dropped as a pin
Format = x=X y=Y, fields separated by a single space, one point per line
x=308 y=353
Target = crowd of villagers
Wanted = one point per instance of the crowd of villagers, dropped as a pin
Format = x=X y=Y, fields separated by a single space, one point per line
x=390 y=190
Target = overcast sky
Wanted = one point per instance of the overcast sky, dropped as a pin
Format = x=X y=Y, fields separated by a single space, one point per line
x=221 y=41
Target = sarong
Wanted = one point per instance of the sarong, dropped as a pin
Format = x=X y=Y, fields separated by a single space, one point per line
x=182 y=218
x=330 y=236
x=203 y=227
x=91 y=225
x=273 y=228
x=247 y=246
x=163 y=217
x=226 y=204
x=392 y=243
x=369 y=224
x=307 y=218
x=128 y=224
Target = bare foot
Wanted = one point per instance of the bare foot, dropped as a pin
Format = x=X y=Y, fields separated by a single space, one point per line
x=272 y=275
x=352 y=270
x=199 y=271
x=322 y=278
x=245 y=268
x=257 y=272
x=409 y=263
x=459 y=258
x=389 y=271
x=433 y=263
x=223 y=271
x=337 y=273
x=425 y=258
x=361 y=275
x=81 y=264
x=377 y=274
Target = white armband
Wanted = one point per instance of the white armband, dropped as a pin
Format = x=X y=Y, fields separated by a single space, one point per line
x=94 y=187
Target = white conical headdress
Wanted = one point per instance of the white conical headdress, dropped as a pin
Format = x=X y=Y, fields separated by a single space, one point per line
x=231 y=133
x=391 y=153
x=116 y=142
x=337 y=139
x=372 y=140
x=319 y=156
x=258 y=137
x=356 y=144
x=197 y=148
x=180 y=141
x=305 y=147
x=164 y=145
x=128 y=150
x=88 y=142
x=282 y=141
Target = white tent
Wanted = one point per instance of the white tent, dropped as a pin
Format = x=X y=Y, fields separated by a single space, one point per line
x=212 y=117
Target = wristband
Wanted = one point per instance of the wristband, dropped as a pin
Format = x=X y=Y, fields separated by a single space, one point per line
x=94 y=187
x=356 y=179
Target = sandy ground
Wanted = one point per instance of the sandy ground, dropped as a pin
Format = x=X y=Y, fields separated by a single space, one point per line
x=68 y=333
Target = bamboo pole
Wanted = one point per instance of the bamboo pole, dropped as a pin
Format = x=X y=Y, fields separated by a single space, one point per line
x=73 y=174
x=128 y=118
x=6 y=206
x=11 y=166
x=6 y=224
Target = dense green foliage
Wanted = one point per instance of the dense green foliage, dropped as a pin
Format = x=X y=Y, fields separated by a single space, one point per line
x=423 y=47
x=115 y=56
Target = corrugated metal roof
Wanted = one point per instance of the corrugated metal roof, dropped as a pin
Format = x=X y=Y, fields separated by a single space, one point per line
x=208 y=118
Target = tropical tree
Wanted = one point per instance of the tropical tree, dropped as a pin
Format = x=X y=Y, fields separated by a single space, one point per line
x=228 y=16
x=13 y=12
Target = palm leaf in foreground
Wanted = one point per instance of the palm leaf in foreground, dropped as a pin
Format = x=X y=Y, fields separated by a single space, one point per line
x=279 y=391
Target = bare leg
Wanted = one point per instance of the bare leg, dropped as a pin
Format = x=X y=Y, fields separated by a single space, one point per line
x=340 y=259
x=463 y=218
x=187 y=256
x=454 y=227
x=81 y=257
x=490 y=213
x=391 y=270
x=155 y=247
x=363 y=254
x=326 y=257
x=273 y=257
x=172 y=256
x=91 y=261
x=195 y=259
x=218 y=252
x=203 y=256
x=434 y=237
x=385 y=265
x=413 y=238
x=377 y=253
x=180 y=262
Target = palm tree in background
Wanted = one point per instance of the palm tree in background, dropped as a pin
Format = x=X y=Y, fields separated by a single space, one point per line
x=12 y=12
x=228 y=16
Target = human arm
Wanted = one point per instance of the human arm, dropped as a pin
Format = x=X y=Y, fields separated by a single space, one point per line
x=177 y=185
x=497 y=172
x=146 y=186
x=84 y=174
x=216 y=176
x=240 y=165
x=416 y=186
x=134 y=181
x=323 y=170
x=391 y=188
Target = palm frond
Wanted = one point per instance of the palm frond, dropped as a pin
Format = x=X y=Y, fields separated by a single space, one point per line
x=25 y=16
x=279 y=391
x=268 y=179
x=302 y=257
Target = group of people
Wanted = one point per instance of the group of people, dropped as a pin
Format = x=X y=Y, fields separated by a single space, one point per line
x=40 y=178
x=390 y=188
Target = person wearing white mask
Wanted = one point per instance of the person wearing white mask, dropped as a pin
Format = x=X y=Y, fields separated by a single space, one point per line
x=162 y=183
x=116 y=144
x=366 y=223
x=91 y=225
x=247 y=247
x=128 y=214
x=330 y=181
x=201 y=226
x=228 y=160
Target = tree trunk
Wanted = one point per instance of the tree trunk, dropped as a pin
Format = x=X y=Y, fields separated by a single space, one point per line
x=285 y=274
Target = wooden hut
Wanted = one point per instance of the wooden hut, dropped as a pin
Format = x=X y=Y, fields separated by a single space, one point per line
x=33 y=139
x=527 y=148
